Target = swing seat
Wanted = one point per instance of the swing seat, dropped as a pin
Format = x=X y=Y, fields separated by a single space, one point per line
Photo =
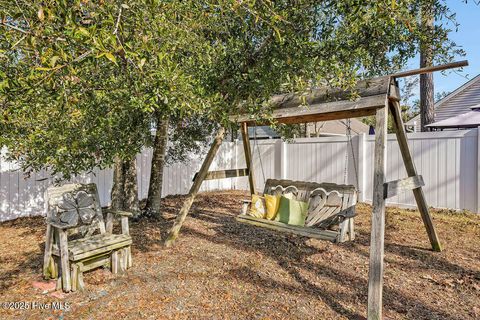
x=331 y=209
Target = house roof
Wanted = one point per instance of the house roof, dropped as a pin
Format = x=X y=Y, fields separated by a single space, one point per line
x=466 y=120
x=332 y=127
x=455 y=103
x=340 y=126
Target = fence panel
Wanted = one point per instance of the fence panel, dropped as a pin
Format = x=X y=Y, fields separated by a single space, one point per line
x=447 y=160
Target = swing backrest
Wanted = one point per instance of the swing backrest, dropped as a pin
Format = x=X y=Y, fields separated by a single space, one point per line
x=325 y=200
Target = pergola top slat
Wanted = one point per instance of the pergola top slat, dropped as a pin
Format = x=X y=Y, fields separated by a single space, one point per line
x=327 y=103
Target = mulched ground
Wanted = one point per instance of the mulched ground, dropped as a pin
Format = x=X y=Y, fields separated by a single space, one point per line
x=220 y=269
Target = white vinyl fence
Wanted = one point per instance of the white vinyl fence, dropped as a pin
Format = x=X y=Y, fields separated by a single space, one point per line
x=448 y=161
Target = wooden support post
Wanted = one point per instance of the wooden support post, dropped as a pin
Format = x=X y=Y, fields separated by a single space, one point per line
x=64 y=260
x=375 y=268
x=412 y=171
x=248 y=156
x=114 y=262
x=172 y=236
x=74 y=275
x=47 y=257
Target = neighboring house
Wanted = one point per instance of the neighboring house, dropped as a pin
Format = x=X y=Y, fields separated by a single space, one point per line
x=314 y=129
x=454 y=104
x=335 y=127
x=262 y=132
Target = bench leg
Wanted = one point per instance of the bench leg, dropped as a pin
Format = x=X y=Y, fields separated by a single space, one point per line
x=129 y=257
x=114 y=262
x=64 y=261
x=351 y=229
x=342 y=231
x=74 y=275
x=47 y=258
x=122 y=260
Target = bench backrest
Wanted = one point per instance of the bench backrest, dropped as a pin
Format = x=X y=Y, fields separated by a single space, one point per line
x=75 y=205
x=324 y=199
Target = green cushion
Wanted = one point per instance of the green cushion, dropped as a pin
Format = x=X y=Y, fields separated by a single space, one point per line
x=292 y=212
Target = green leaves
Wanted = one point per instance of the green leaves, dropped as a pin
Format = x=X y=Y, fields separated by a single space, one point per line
x=110 y=57
x=104 y=71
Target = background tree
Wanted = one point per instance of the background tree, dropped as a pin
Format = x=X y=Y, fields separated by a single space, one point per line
x=84 y=82
x=427 y=103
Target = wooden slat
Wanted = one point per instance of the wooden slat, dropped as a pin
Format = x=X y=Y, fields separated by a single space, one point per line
x=392 y=188
x=309 y=186
x=223 y=174
x=102 y=260
x=93 y=242
x=323 y=112
x=279 y=226
x=88 y=247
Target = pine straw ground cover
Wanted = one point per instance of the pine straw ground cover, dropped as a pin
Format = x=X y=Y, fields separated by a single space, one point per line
x=220 y=269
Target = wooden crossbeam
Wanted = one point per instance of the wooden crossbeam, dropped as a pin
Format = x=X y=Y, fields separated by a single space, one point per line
x=441 y=67
x=392 y=188
x=223 y=174
x=342 y=109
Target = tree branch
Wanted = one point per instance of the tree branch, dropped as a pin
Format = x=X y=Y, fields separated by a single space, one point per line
x=14 y=27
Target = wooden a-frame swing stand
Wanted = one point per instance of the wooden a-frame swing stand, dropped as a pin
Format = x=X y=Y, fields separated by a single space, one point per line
x=377 y=97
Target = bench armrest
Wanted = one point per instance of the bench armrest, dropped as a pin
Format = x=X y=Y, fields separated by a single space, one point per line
x=124 y=215
x=119 y=212
x=348 y=213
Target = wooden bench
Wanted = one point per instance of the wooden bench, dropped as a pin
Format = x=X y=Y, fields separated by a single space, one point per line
x=331 y=209
x=77 y=237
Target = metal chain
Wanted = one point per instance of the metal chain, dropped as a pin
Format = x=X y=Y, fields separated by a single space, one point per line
x=349 y=141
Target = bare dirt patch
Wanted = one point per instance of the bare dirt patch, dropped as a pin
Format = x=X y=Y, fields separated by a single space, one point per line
x=220 y=269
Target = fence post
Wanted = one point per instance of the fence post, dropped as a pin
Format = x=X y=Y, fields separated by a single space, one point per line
x=361 y=166
x=284 y=159
x=235 y=165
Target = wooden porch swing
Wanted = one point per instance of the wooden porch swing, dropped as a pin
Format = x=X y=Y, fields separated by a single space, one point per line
x=330 y=209
x=375 y=97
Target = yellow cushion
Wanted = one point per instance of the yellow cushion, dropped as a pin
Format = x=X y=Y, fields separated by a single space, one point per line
x=257 y=209
x=271 y=202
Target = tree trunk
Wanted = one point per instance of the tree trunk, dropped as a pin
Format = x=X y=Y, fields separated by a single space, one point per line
x=154 y=199
x=427 y=102
x=124 y=190
x=131 y=190
x=118 y=188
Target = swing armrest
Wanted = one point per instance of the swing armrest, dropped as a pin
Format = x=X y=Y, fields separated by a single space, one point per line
x=347 y=213
x=245 y=205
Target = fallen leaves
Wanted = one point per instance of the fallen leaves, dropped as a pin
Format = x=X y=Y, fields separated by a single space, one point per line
x=221 y=269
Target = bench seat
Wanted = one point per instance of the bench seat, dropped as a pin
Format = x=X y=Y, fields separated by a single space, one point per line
x=95 y=245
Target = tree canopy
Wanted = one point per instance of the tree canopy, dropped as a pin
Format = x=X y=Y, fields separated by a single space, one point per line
x=83 y=81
